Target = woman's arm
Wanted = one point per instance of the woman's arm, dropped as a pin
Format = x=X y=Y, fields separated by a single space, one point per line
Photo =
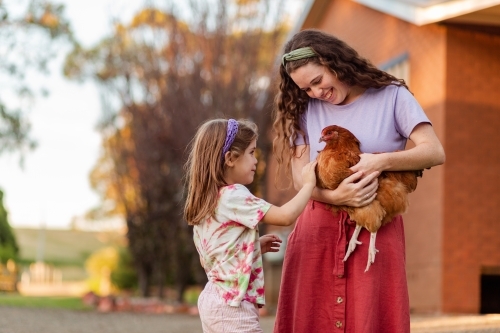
x=428 y=152
x=354 y=191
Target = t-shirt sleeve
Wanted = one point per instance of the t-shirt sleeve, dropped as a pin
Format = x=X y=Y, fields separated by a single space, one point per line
x=302 y=139
x=238 y=204
x=408 y=112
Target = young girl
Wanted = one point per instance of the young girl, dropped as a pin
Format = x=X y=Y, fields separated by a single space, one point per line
x=225 y=216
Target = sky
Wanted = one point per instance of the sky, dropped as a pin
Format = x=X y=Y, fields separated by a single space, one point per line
x=53 y=186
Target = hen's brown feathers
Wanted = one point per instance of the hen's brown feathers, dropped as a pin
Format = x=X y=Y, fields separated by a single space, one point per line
x=341 y=153
x=334 y=161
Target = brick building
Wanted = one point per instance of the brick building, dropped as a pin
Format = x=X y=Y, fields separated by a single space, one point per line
x=449 y=54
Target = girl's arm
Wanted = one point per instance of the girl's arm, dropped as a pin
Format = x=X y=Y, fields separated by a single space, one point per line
x=428 y=152
x=354 y=191
x=288 y=213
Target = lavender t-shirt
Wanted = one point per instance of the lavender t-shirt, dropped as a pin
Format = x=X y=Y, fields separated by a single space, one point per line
x=382 y=119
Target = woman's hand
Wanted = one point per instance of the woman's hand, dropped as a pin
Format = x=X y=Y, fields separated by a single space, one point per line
x=356 y=190
x=360 y=188
x=369 y=163
x=269 y=243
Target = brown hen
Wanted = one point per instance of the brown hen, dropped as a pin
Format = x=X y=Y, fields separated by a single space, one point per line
x=334 y=162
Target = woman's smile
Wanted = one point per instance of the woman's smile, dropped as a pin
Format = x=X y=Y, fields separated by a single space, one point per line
x=320 y=83
x=328 y=95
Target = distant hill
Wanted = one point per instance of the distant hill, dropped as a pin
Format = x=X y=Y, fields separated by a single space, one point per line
x=65 y=249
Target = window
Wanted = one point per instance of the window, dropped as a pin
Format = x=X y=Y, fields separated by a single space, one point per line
x=399 y=67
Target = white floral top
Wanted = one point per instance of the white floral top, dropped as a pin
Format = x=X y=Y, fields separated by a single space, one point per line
x=229 y=245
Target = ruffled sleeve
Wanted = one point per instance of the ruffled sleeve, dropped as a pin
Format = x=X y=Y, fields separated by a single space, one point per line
x=239 y=205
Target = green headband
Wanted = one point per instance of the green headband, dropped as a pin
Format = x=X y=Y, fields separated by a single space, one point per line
x=302 y=53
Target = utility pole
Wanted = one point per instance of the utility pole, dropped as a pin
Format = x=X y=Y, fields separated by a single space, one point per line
x=41 y=242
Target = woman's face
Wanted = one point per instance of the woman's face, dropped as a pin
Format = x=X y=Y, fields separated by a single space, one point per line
x=318 y=82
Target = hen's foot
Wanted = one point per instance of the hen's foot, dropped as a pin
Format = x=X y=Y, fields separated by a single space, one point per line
x=372 y=251
x=353 y=242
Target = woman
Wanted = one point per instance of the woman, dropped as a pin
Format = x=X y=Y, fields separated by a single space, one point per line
x=323 y=82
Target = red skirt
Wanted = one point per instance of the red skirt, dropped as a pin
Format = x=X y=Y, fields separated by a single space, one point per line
x=321 y=293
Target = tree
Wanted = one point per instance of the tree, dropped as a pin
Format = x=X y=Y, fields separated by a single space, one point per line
x=28 y=30
x=8 y=243
x=161 y=76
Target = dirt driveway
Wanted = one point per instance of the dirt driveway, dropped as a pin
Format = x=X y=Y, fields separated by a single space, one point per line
x=27 y=320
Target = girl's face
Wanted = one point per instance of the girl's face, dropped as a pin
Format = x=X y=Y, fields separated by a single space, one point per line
x=318 y=82
x=242 y=170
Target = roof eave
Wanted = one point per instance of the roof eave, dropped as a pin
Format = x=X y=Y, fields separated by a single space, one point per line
x=425 y=15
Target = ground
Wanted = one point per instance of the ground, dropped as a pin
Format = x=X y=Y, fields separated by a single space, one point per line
x=29 y=320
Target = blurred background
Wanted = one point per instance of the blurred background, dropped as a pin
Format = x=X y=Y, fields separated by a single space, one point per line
x=99 y=99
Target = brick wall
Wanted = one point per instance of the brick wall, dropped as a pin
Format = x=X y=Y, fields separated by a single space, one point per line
x=471 y=237
x=452 y=228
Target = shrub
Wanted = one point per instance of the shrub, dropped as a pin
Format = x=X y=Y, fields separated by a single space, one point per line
x=124 y=276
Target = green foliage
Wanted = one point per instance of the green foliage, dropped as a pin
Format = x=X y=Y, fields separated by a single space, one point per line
x=191 y=295
x=114 y=265
x=29 y=42
x=124 y=276
x=99 y=267
x=7 y=252
x=8 y=243
x=14 y=130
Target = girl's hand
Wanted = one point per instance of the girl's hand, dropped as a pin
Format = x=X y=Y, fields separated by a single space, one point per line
x=309 y=174
x=356 y=190
x=269 y=243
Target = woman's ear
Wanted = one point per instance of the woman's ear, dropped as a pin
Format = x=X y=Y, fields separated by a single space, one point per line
x=228 y=160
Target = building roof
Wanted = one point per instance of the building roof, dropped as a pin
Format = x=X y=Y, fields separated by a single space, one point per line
x=419 y=12
x=424 y=3
x=422 y=12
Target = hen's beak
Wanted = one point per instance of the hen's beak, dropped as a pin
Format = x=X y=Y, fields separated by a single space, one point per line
x=321 y=139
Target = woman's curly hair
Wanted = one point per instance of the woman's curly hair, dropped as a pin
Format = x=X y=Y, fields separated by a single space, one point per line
x=291 y=102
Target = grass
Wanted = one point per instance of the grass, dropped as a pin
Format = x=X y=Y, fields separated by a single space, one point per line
x=16 y=300
x=65 y=247
x=67 y=250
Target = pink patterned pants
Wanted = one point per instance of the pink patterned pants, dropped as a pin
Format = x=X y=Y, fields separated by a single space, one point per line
x=218 y=317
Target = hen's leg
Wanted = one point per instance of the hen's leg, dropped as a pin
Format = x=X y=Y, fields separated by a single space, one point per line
x=353 y=242
x=372 y=251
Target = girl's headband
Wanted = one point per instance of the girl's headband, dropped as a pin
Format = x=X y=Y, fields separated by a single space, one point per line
x=302 y=53
x=232 y=129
